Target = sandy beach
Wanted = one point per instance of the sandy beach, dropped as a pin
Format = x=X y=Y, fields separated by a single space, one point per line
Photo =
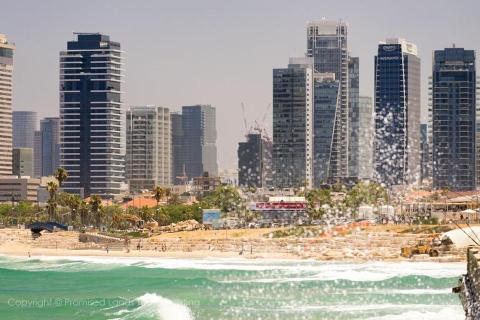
x=361 y=245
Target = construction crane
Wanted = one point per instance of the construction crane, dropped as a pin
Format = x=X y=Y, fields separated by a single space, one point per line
x=183 y=178
x=244 y=119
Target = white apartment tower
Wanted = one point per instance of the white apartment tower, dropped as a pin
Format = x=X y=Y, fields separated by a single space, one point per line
x=149 y=156
x=6 y=94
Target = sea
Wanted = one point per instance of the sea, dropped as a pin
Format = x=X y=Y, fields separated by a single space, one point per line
x=213 y=288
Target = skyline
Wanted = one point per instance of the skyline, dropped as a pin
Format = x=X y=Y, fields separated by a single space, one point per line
x=236 y=60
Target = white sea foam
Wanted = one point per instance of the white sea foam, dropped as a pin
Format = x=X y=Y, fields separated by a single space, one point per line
x=155 y=306
x=441 y=313
x=285 y=270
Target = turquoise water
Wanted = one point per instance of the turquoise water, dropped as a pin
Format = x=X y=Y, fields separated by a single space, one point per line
x=177 y=289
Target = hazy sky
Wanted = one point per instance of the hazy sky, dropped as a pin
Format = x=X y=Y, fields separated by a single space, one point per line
x=217 y=52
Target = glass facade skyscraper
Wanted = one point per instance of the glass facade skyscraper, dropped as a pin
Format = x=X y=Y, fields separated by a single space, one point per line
x=178 y=165
x=327 y=45
x=24 y=127
x=199 y=140
x=366 y=127
x=397 y=113
x=91 y=112
x=454 y=119
x=50 y=148
x=292 y=124
x=6 y=95
x=354 y=145
x=254 y=161
x=326 y=99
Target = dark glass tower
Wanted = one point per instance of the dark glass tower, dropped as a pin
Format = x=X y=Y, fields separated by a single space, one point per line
x=50 y=148
x=199 y=140
x=92 y=117
x=24 y=127
x=292 y=128
x=354 y=117
x=454 y=119
x=397 y=113
x=254 y=161
x=326 y=100
x=178 y=165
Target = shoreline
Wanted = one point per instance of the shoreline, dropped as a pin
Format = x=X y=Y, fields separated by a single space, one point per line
x=59 y=253
x=358 y=247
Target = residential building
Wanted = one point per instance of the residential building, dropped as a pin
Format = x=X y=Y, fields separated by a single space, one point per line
x=13 y=189
x=199 y=140
x=397 y=113
x=255 y=161
x=24 y=127
x=178 y=165
x=205 y=183
x=327 y=46
x=366 y=126
x=6 y=95
x=92 y=116
x=149 y=158
x=454 y=120
x=354 y=145
x=50 y=145
x=22 y=164
x=292 y=152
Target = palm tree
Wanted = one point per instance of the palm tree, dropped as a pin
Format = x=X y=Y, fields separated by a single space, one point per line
x=83 y=212
x=159 y=193
x=61 y=175
x=95 y=204
x=74 y=202
x=52 y=189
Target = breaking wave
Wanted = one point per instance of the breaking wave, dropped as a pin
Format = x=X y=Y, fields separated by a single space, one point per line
x=154 y=306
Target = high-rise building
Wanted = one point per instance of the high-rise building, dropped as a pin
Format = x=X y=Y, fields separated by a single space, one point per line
x=50 y=145
x=366 y=132
x=22 y=163
x=454 y=119
x=397 y=113
x=354 y=145
x=6 y=96
x=149 y=158
x=91 y=112
x=199 y=140
x=292 y=107
x=327 y=45
x=255 y=161
x=178 y=165
x=326 y=91
x=24 y=127
x=37 y=154
x=424 y=154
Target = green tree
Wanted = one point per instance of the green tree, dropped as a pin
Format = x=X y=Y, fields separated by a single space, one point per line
x=365 y=193
x=226 y=198
x=95 y=206
x=61 y=175
x=52 y=189
x=84 y=213
x=316 y=199
x=159 y=193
